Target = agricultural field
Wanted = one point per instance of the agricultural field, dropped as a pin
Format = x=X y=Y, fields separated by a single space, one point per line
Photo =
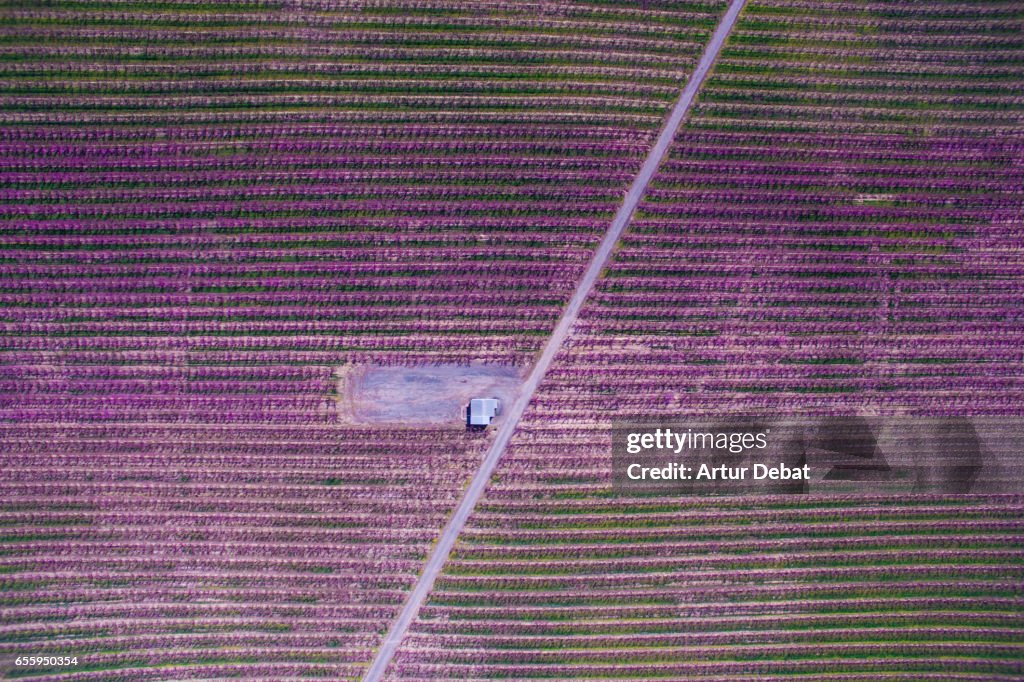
x=228 y=229
x=837 y=228
x=346 y=181
x=210 y=211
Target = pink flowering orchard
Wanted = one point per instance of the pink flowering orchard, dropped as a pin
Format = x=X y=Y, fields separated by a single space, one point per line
x=218 y=219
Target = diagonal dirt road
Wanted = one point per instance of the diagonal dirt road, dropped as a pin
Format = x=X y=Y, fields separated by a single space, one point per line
x=478 y=484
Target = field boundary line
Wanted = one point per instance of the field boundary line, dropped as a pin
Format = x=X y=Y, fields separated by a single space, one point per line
x=443 y=547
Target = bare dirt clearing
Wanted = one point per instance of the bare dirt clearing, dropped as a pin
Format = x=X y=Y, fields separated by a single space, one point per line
x=430 y=394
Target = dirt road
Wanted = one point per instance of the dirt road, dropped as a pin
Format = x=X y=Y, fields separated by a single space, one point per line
x=511 y=418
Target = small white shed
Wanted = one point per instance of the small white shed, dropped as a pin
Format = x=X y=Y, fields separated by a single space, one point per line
x=482 y=410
